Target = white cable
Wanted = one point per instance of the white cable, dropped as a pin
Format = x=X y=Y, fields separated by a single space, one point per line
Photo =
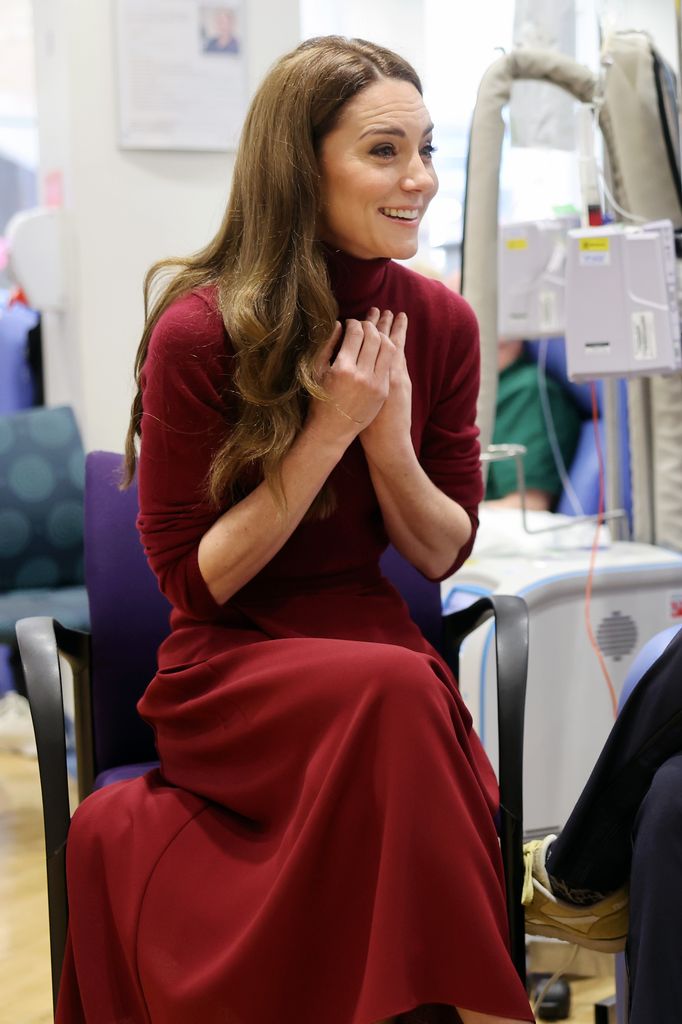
x=555 y=977
x=551 y=432
x=619 y=209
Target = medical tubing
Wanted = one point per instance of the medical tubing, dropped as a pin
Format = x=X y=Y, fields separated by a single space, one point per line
x=634 y=217
x=551 y=431
x=535 y=1006
x=593 y=558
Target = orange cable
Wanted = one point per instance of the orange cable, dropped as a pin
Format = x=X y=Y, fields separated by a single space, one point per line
x=593 y=554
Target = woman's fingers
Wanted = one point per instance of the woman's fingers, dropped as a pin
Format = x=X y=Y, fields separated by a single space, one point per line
x=385 y=356
x=353 y=340
x=385 y=322
x=324 y=356
x=371 y=343
x=364 y=343
x=398 y=333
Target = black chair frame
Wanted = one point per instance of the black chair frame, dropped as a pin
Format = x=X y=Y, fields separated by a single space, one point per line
x=43 y=640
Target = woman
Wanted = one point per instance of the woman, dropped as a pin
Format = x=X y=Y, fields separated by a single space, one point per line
x=329 y=853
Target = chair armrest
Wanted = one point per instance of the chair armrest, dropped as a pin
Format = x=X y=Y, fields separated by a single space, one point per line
x=41 y=640
x=511 y=654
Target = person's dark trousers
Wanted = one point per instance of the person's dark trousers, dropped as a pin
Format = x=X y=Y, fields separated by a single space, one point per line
x=594 y=849
x=627 y=825
x=654 y=952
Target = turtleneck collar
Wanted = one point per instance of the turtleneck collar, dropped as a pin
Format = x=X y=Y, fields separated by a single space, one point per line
x=356 y=283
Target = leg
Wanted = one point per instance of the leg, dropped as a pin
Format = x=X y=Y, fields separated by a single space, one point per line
x=594 y=849
x=303 y=745
x=589 y=864
x=655 y=937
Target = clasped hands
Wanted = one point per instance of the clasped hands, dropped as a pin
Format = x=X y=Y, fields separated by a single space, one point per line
x=369 y=392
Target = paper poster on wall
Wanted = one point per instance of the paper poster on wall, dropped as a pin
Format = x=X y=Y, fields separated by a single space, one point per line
x=181 y=74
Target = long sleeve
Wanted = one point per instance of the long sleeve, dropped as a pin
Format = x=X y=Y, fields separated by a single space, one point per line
x=184 y=422
x=450 y=451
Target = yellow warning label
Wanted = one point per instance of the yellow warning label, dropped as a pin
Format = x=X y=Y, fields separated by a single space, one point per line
x=517 y=243
x=594 y=245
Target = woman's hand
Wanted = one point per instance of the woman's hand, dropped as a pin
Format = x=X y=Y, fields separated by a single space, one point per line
x=356 y=381
x=389 y=431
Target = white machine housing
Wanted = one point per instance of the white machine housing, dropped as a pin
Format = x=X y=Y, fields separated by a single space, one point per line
x=637 y=591
x=531 y=278
x=622 y=314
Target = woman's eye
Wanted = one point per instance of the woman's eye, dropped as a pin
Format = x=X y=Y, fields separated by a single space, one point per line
x=385 y=150
x=428 y=150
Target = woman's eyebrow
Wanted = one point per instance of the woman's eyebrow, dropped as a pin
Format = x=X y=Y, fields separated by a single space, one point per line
x=392 y=130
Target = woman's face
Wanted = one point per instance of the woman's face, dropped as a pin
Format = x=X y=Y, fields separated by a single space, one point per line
x=377 y=178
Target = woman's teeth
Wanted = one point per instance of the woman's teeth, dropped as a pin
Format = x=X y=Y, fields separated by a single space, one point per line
x=390 y=211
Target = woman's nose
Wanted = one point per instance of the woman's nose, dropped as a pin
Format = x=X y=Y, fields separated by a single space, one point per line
x=418 y=177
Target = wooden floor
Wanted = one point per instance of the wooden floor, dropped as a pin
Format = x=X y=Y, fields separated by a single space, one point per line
x=24 y=947
x=25 y=993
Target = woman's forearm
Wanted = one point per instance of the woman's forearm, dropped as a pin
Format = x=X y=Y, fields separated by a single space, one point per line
x=250 y=533
x=422 y=522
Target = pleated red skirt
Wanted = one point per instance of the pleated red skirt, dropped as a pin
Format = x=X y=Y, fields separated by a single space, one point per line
x=318 y=847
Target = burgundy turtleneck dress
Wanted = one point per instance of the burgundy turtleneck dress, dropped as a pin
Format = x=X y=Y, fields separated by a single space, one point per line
x=318 y=846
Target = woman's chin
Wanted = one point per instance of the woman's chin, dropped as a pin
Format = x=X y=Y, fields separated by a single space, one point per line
x=403 y=252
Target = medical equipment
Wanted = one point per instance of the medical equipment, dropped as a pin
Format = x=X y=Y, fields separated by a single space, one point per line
x=622 y=314
x=637 y=587
x=637 y=590
x=531 y=275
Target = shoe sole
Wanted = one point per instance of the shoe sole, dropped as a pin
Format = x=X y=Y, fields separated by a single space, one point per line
x=612 y=945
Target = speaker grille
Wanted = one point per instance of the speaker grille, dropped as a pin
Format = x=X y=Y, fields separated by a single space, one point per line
x=617 y=635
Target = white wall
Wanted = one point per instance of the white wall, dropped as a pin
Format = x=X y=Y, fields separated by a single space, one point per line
x=124 y=209
x=657 y=17
x=397 y=24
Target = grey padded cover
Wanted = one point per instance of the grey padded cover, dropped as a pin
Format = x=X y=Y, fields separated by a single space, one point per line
x=479 y=245
x=630 y=120
x=633 y=120
x=643 y=182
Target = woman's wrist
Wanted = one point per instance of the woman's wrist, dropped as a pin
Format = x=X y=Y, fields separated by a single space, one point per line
x=328 y=442
x=390 y=455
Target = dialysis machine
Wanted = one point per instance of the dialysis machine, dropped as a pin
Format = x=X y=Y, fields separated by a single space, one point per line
x=636 y=592
x=625 y=325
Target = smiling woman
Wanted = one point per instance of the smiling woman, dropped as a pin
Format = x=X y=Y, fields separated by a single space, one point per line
x=323 y=844
x=377 y=173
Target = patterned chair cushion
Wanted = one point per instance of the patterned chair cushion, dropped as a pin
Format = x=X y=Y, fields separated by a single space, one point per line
x=41 y=500
x=69 y=605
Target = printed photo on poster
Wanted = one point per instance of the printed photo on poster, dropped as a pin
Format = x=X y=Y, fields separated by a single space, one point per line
x=219 y=32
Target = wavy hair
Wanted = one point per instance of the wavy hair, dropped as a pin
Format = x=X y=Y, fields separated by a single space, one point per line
x=267 y=263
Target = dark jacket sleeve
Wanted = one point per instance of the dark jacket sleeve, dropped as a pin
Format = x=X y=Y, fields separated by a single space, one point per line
x=184 y=422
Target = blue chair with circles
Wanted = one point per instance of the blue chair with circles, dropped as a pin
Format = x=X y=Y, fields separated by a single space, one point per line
x=41 y=521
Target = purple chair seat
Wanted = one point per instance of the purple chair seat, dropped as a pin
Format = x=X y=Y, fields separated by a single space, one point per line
x=128 y=618
x=123 y=773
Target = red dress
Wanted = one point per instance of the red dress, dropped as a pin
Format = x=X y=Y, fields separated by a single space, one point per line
x=318 y=846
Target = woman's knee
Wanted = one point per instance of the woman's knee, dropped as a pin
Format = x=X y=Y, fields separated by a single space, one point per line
x=397 y=675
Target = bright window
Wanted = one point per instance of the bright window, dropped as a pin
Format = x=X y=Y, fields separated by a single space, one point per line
x=18 y=119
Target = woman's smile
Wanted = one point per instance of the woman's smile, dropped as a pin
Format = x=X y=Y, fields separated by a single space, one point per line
x=377 y=175
x=405 y=215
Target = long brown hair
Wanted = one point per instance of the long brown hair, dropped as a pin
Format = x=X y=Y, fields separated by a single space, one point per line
x=268 y=266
